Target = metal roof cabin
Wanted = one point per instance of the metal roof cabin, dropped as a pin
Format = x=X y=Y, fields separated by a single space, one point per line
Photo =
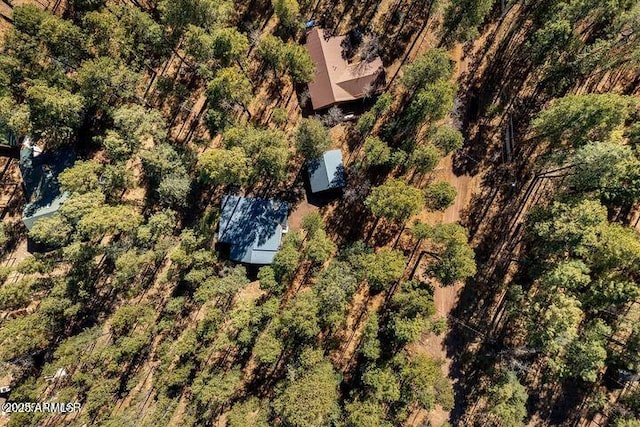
x=40 y=181
x=253 y=228
x=335 y=79
x=327 y=172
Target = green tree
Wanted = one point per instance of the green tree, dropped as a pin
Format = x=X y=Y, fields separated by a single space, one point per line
x=454 y=259
x=431 y=103
x=335 y=287
x=222 y=45
x=104 y=82
x=123 y=32
x=617 y=251
x=570 y=275
x=581 y=230
x=174 y=189
x=14 y=118
x=109 y=220
x=299 y=64
x=446 y=138
x=312 y=223
x=381 y=384
x=558 y=323
x=410 y=312
x=129 y=265
x=63 y=39
x=160 y=224
x=138 y=124
x=433 y=66
x=425 y=158
x=24 y=335
x=230 y=85
x=319 y=247
x=366 y=122
x=198 y=44
x=52 y=232
x=577 y=119
x=463 y=17
x=82 y=177
x=312 y=138
x=425 y=384
x=279 y=116
x=287 y=11
x=440 y=195
x=383 y=104
x=80 y=204
x=299 y=320
x=134 y=127
x=147 y=37
x=395 y=201
x=586 y=356
x=100 y=393
x=370 y=345
x=117 y=148
x=163 y=160
x=267 y=148
x=251 y=412
x=225 y=167
x=310 y=398
x=421 y=231
x=627 y=422
x=286 y=260
x=126 y=317
x=87 y=5
x=507 y=401
x=27 y=18
x=607 y=169
x=114 y=179
x=268 y=282
x=229 y=45
x=4 y=237
x=215 y=390
x=232 y=280
x=376 y=151
x=551 y=40
x=272 y=51
x=268 y=348
x=178 y=14
x=55 y=113
x=365 y=413
x=383 y=268
x=289 y=57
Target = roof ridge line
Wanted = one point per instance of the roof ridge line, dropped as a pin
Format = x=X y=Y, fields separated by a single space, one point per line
x=324 y=61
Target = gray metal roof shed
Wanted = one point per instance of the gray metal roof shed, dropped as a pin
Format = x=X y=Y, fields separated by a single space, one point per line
x=252 y=227
x=327 y=172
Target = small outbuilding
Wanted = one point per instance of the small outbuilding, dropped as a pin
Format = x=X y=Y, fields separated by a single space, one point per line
x=40 y=172
x=327 y=172
x=252 y=228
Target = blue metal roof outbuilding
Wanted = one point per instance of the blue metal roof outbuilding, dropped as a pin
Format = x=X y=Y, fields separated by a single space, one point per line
x=253 y=228
x=327 y=172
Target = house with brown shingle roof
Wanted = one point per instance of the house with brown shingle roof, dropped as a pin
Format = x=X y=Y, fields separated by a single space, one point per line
x=336 y=80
